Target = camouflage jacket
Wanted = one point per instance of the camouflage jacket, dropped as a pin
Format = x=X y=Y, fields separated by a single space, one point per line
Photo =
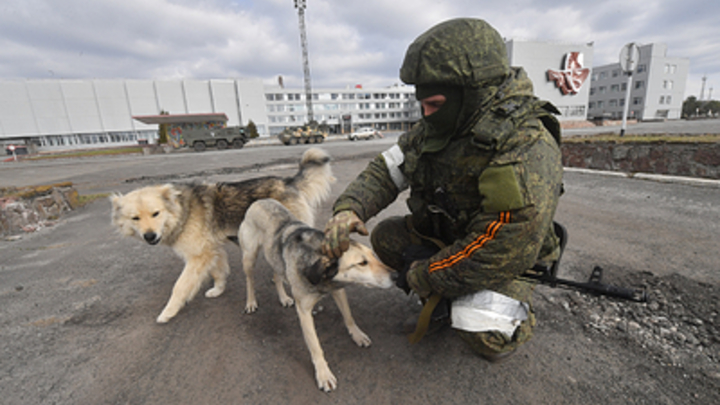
x=490 y=195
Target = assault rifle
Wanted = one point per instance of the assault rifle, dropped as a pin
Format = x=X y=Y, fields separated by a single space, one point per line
x=548 y=275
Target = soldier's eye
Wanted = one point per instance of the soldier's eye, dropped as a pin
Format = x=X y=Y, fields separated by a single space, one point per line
x=364 y=263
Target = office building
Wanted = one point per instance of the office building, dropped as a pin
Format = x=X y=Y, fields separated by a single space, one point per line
x=657 y=88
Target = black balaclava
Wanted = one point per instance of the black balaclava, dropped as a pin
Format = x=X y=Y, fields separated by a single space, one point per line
x=442 y=124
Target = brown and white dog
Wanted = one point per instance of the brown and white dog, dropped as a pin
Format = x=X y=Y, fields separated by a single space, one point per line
x=292 y=248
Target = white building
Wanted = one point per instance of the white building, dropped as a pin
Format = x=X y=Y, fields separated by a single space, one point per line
x=559 y=72
x=657 y=92
x=65 y=114
x=344 y=109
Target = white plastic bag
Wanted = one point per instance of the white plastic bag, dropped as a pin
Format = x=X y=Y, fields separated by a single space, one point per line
x=487 y=311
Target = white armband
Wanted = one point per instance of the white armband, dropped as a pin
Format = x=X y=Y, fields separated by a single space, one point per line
x=394 y=157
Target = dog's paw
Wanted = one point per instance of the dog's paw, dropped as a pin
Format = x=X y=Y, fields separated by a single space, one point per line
x=326 y=380
x=162 y=318
x=359 y=337
x=287 y=302
x=251 y=307
x=214 y=292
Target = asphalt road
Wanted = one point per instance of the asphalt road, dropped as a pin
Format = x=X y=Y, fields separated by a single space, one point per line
x=78 y=304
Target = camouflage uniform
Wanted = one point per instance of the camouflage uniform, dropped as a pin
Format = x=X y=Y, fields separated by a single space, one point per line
x=487 y=194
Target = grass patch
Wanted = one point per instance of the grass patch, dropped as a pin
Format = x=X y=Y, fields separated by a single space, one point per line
x=650 y=138
x=88 y=198
x=87 y=153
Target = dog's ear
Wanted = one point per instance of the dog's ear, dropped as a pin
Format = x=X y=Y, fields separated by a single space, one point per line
x=115 y=200
x=168 y=192
x=323 y=269
x=116 y=206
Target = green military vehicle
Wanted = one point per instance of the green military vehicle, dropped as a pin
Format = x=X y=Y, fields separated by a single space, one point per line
x=221 y=138
x=304 y=134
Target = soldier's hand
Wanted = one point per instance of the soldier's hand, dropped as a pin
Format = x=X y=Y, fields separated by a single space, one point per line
x=337 y=233
x=417 y=279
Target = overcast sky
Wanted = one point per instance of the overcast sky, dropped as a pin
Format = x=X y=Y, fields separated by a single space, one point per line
x=350 y=42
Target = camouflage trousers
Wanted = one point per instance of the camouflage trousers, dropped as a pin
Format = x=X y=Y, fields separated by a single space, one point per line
x=391 y=237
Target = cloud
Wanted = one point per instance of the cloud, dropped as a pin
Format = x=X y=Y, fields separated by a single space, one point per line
x=348 y=42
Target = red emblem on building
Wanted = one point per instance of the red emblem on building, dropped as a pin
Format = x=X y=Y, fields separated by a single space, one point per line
x=572 y=77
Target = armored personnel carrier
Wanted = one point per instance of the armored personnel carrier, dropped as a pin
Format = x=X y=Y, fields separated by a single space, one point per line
x=304 y=134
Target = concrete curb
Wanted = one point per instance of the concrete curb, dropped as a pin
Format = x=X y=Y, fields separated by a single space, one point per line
x=273 y=140
x=660 y=178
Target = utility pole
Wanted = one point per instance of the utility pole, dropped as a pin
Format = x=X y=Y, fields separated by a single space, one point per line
x=300 y=5
x=702 y=89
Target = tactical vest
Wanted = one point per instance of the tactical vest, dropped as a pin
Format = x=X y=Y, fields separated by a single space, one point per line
x=446 y=185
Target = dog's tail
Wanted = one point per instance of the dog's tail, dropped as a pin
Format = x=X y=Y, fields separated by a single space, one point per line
x=314 y=178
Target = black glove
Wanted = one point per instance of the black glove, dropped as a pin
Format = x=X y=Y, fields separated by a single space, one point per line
x=411 y=254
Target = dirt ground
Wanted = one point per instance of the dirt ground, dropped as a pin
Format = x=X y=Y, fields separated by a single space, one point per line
x=78 y=306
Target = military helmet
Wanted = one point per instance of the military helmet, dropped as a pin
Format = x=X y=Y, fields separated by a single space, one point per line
x=459 y=52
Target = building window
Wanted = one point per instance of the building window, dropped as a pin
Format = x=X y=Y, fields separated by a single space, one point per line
x=668 y=84
x=602 y=89
x=600 y=104
x=612 y=103
x=576 y=111
x=623 y=87
x=662 y=100
x=622 y=102
x=592 y=90
x=615 y=88
x=591 y=105
x=641 y=68
x=668 y=99
x=603 y=75
x=637 y=100
x=639 y=84
x=616 y=73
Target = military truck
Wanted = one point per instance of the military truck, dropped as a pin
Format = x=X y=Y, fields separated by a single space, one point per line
x=304 y=134
x=221 y=138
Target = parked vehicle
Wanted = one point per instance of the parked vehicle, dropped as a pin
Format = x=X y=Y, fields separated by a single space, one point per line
x=365 y=133
x=16 y=150
x=221 y=138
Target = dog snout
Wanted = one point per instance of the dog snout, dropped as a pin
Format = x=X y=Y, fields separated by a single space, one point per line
x=151 y=238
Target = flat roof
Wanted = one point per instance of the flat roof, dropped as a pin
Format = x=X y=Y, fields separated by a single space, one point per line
x=180 y=118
